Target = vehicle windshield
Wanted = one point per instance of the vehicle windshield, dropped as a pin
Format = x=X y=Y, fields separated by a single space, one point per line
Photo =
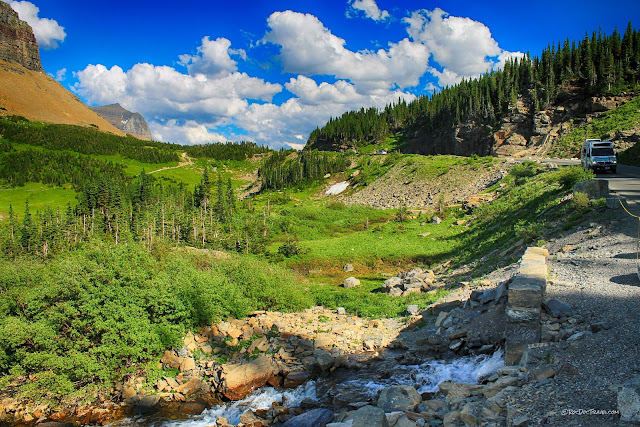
x=606 y=151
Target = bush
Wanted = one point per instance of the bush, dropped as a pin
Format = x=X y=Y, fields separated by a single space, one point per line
x=85 y=319
x=570 y=176
x=580 y=201
x=523 y=171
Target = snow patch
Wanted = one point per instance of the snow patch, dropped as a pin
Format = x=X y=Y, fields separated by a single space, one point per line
x=337 y=188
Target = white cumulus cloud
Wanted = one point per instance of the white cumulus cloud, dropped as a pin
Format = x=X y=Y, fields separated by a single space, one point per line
x=309 y=48
x=190 y=132
x=211 y=100
x=461 y=46
x=370 y=9
x=213 y=58
x=47 y=31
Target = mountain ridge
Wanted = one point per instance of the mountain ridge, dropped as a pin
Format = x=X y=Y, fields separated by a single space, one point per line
x=125 y=120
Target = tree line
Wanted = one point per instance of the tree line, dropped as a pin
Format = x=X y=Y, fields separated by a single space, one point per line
x=226 y=151
x=85 y=140
x=600 y=64
x=286 y=168
x=120 y=209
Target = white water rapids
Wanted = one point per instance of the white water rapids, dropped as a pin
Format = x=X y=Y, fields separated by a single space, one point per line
x=424 y=377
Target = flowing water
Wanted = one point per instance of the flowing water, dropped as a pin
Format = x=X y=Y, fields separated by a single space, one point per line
x=355 y=386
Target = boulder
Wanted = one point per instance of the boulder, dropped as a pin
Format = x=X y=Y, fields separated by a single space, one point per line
x=629 y=400
x=351 y=282
x=436 y=220
x=348 y=267
x=392 y=282
x=367 y=416
x=319 y=417
x=145 y=405
x=594 y=188
x=557 y=308
x=241 y=380
x=296 y=378
x=399 y=398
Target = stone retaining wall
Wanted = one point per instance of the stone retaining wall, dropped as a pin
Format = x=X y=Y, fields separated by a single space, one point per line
x=525 y=296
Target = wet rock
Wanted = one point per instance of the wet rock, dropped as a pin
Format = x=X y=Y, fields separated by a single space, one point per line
x=294 y=379
x=249 y=418
x=367 y=416
x=319 y=417
x=145 y=405
x=351 y=282
x=242 y=380
x=399 y=398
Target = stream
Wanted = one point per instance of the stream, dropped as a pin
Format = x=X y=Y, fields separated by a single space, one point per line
x=341 y=388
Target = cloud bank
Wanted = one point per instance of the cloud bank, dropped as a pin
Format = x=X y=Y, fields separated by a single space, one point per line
x=207 y=98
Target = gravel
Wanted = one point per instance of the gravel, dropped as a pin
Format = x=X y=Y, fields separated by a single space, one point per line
x=593 y=270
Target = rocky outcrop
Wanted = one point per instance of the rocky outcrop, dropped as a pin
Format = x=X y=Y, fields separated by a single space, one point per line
x=17 y=42
x=132 y=123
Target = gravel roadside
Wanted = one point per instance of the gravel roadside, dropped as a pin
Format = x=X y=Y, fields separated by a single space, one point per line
x=593 y=269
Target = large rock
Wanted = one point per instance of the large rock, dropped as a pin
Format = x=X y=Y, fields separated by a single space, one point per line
x=557 y=308
x=367 y=416
x=594 y=188
x=319 y=417
x=629 y=400
x=242 y=380
x=399 y=398
x=17 y=42
x=351 y=282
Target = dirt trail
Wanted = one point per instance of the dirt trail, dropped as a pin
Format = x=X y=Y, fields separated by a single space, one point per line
x=186 y=160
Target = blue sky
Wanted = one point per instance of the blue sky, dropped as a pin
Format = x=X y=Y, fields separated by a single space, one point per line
x=271 y=71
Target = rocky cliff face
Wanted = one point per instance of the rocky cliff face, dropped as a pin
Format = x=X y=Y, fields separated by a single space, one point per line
x=17 y=42
x=131 y=123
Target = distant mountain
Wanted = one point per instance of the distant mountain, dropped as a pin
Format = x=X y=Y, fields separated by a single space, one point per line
x=131 y=123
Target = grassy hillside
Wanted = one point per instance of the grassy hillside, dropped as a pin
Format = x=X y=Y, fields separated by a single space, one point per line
x=37 y=96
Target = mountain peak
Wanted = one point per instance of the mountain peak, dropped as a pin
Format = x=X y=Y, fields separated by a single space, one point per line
x=123 y=119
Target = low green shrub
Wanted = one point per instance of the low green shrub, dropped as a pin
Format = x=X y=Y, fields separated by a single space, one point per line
x=85 y=319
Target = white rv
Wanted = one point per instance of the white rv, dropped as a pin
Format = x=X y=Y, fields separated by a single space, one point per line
x=598 y=155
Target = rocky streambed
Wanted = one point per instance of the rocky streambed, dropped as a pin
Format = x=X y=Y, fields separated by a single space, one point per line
x=440 y=365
